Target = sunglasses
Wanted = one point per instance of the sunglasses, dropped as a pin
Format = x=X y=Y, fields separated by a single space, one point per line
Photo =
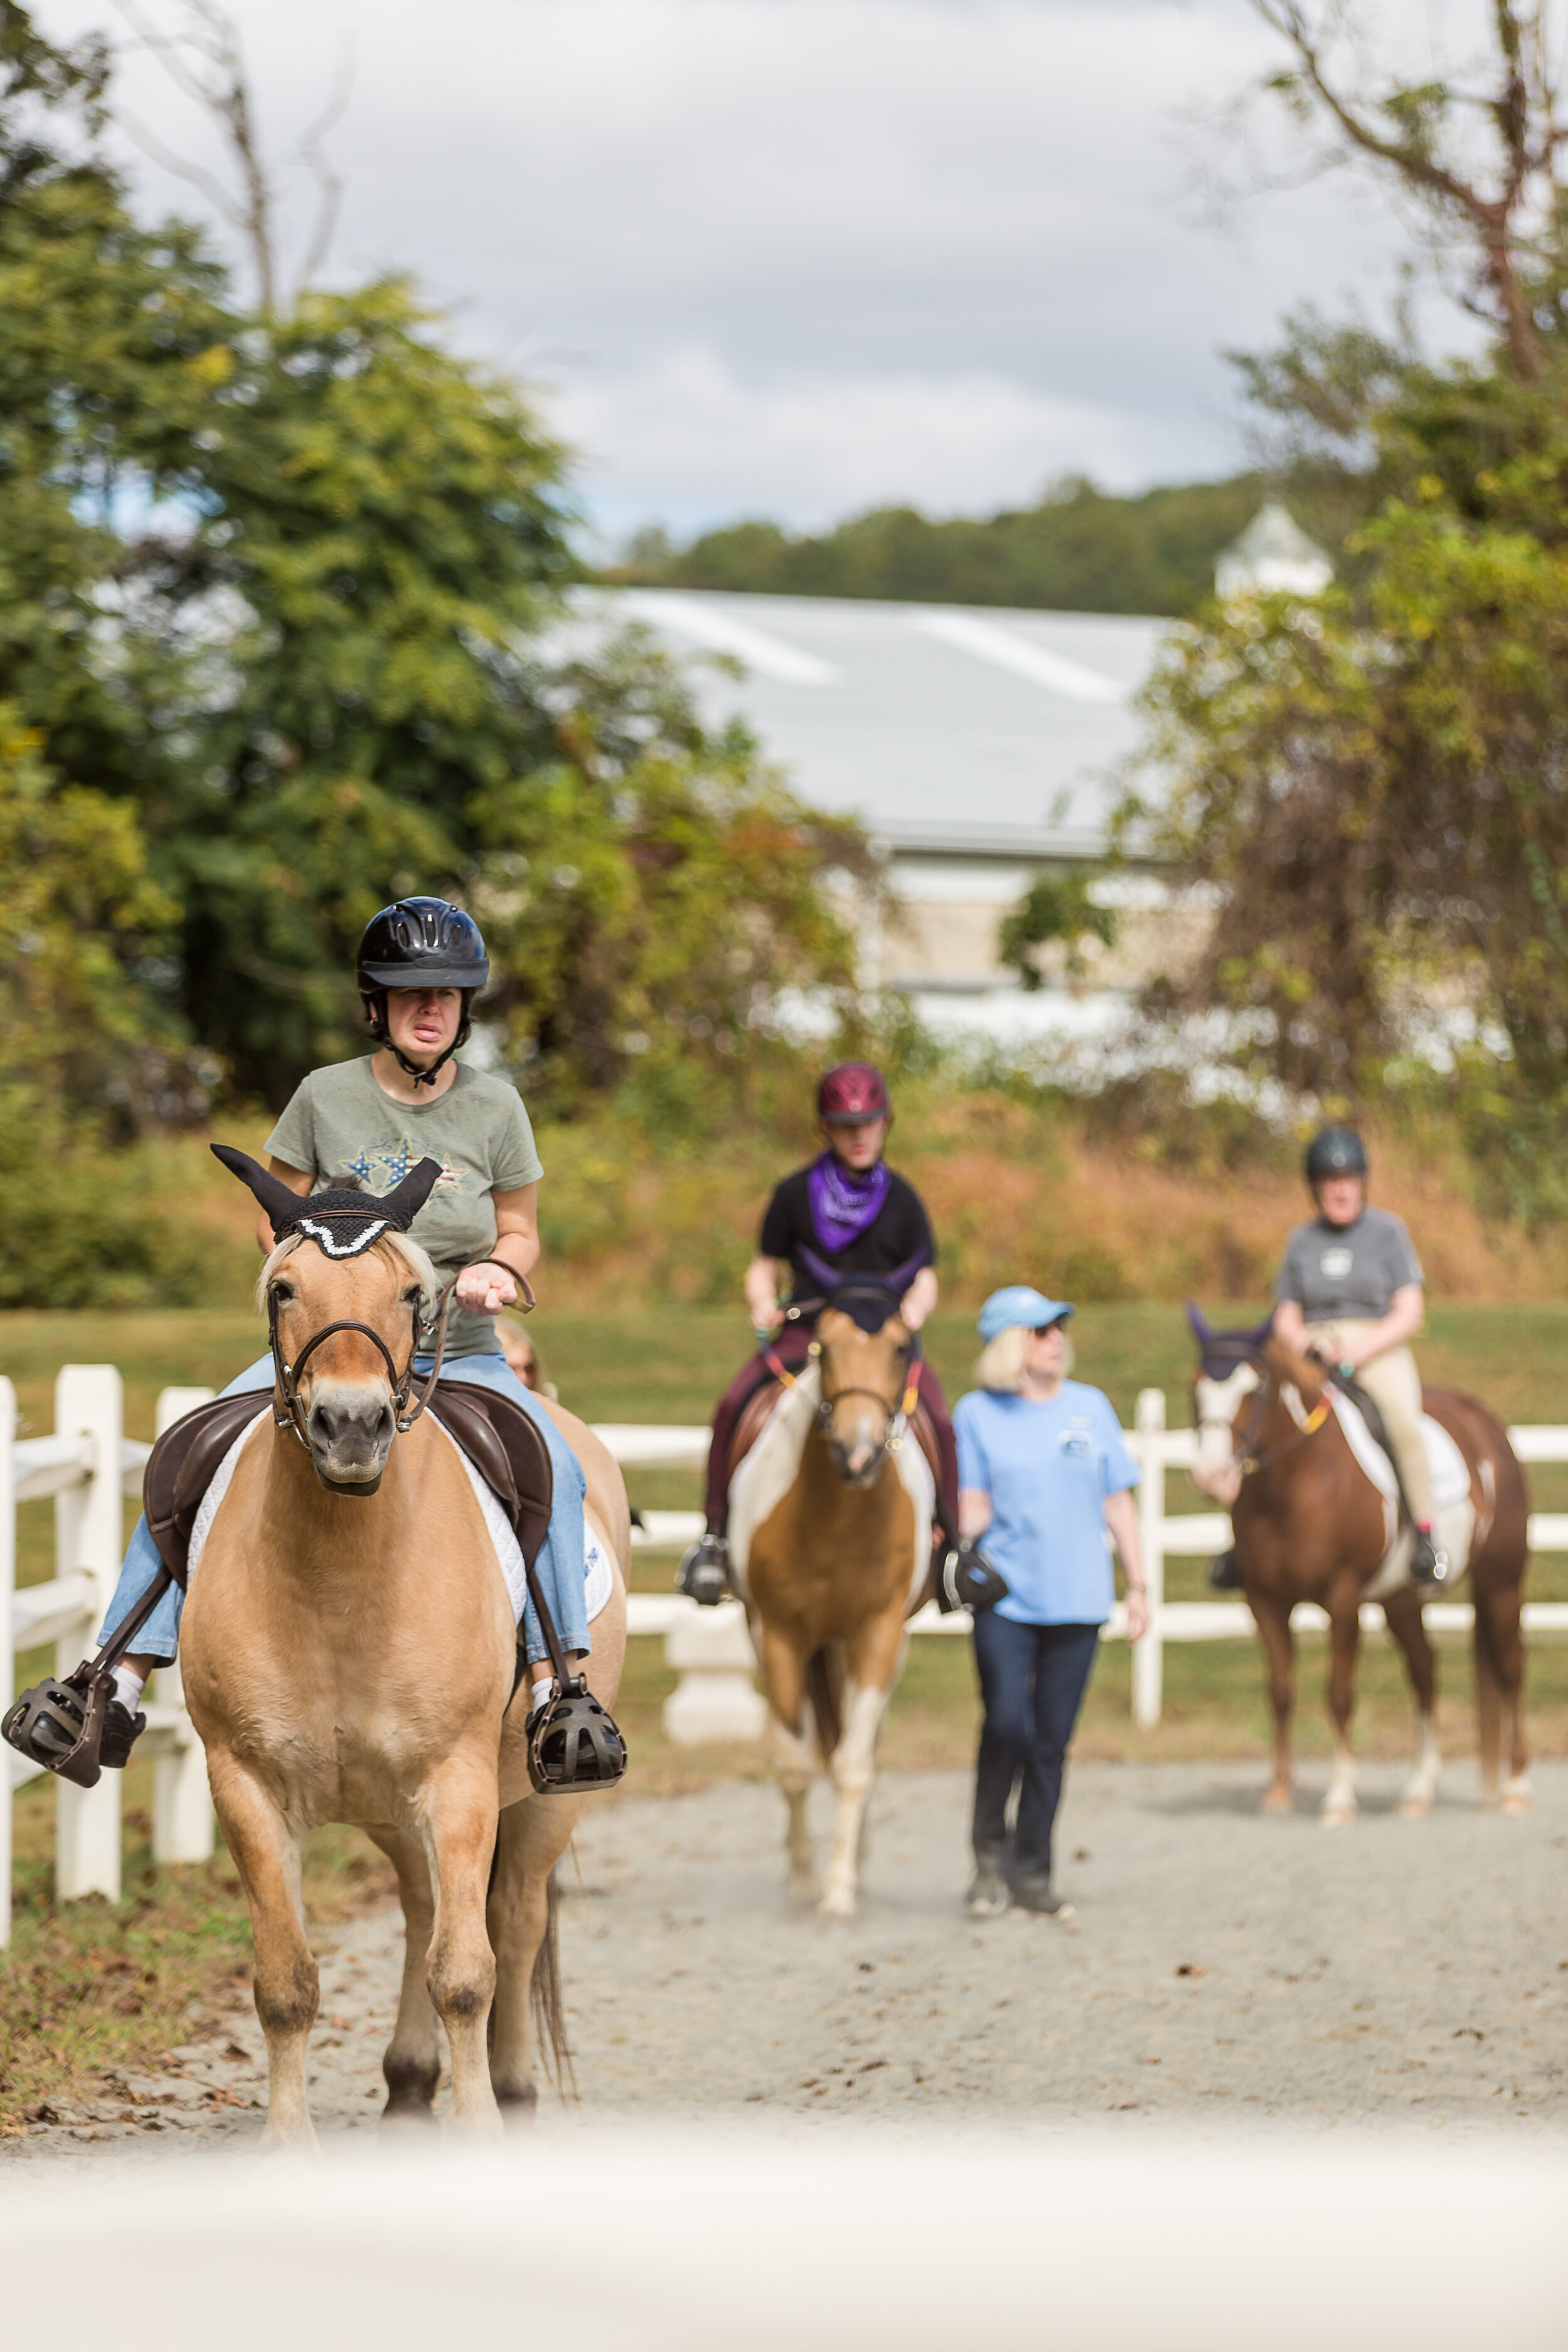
x=1043 y=1330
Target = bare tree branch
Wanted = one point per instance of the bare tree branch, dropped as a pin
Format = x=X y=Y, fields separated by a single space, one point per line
x=328 y=182
x=1401 y=129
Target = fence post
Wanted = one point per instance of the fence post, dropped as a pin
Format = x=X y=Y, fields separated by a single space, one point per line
x=1148 y=1656
x=88 y=1400
x=182 y=1800
x=7 y=1588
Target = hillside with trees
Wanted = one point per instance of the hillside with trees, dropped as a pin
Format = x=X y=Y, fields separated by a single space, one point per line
x=1080 y=550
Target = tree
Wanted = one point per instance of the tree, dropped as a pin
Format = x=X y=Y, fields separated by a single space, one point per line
x=1057 y=911
x=1479 y=165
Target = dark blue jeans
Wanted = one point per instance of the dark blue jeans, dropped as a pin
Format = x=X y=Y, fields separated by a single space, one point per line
x=1032 y=1680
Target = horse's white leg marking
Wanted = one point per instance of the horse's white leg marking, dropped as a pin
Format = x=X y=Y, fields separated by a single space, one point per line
x=854 y=1762
x=265 y=1850
x=794 y=1764
x=458 y=1837
x=1340 y=1804
x=1516 y=1794
x=1422 y=1786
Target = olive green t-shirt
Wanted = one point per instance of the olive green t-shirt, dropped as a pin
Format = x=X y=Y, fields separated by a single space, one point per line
x=340 y=1125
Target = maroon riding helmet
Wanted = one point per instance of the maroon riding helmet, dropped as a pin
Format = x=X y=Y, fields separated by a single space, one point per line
x=851 y=1093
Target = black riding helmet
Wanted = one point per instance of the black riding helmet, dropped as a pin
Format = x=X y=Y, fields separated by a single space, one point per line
x=420 y=944
x=1336 y=1151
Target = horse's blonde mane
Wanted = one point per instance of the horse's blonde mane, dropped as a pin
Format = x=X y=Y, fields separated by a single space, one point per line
x=402 y=1246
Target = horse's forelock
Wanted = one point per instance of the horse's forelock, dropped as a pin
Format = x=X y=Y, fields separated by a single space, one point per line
x=399 y=1245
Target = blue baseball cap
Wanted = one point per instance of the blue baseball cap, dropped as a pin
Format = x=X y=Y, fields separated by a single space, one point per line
x=1020 y=1304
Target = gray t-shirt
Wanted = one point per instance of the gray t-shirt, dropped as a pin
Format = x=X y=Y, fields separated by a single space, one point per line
x=1348 y=1273
x=341 y=1124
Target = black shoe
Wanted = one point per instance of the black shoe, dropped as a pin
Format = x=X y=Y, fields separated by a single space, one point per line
x=989 y=1894
x=1224 y=1572
x=1430 y=1566
x=1040 y=1894
x=121 y=1730
x=704 y=1573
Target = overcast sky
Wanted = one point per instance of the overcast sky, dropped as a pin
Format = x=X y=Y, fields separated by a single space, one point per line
x=798 y=257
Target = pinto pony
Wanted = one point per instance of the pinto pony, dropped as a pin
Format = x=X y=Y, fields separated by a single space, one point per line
x=830 y=1524
x=1309 y=1524
x=349 y=1651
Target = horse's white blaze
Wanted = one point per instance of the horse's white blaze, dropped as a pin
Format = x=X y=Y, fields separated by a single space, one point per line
x=1218 y=1403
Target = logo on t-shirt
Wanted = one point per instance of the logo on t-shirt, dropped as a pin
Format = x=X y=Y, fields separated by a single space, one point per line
x=381 y=1171
x=1075 y=1438
x=1337 y=1263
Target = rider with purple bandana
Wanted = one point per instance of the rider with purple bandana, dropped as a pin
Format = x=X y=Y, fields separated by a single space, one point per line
x=846 y=1212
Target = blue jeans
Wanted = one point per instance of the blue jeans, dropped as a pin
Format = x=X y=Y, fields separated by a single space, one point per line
x=560 y=1566
x=1032 y=1680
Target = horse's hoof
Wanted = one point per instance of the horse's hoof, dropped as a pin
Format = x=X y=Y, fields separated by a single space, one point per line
x=1277 y=1801
x=299 y=2142
x=802 y=1887
x=1338 y=1817
x=1515 y=1805
x=838 y=1903
x=1414 y=1808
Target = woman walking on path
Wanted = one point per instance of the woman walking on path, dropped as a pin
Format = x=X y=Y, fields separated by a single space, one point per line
x=1046 y=1478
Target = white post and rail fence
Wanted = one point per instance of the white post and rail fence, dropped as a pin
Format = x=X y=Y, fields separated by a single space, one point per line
x=89 y=1467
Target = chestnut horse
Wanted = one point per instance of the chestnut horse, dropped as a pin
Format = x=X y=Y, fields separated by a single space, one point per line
x=350 y=1657
x=1310 y=1524
x=830 y=1521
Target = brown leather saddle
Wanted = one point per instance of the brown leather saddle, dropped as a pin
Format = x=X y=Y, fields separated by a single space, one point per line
x=499 y=1438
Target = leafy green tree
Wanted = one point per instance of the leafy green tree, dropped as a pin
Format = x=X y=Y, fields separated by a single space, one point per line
x=1057 y=911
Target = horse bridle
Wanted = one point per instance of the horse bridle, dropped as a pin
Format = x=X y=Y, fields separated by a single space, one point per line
x=1247 y=1458
x=293 y=1415
x=896 y=1409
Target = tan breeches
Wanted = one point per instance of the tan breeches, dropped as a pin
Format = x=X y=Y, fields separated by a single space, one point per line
x=1394 y=1384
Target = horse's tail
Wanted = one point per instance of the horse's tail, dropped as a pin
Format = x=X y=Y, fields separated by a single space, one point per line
x=549 y=2008
x=824 y=1689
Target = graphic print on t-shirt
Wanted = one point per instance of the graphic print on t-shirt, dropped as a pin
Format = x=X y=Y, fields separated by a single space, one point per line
x=381 y=1171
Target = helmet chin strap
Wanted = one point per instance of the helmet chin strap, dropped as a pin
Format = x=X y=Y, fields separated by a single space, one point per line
x=421 y=1077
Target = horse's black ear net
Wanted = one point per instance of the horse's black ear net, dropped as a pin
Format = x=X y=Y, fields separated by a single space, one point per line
x=282 y=1206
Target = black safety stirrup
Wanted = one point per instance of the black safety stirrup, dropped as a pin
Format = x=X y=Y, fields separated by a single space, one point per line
x=572 y=1741
x=59 y=1725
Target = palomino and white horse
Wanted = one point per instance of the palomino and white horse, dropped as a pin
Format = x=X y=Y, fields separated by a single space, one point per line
x=350 y=1656
x=1315 y=1514
x=830 y=1533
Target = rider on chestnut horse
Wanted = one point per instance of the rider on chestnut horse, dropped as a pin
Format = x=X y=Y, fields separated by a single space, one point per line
x=845 y=1213
x=1349 y=1290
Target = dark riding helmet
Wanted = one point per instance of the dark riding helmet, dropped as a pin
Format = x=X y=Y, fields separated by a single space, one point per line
x=421 y=943
x=1336 y=1151
x=850 y=1093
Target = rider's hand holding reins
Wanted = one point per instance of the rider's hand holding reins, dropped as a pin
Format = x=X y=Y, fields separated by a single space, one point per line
x=486 y=1288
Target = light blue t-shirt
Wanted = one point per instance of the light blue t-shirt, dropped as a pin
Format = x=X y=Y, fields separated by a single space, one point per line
x=1048 y=1469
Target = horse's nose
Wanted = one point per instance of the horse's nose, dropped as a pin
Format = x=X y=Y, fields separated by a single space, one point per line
x=351 y=1429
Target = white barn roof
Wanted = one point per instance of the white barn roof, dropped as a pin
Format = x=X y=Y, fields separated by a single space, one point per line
x=947 y=729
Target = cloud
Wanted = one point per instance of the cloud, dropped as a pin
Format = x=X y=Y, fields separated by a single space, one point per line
x=799 y=255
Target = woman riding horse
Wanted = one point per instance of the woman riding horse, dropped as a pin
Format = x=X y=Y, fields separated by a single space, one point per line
x=845 y=1213
x=1351 y=1291
x=366 y=1123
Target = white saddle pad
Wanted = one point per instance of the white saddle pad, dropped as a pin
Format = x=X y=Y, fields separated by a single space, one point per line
x=1455 y=1512
x=598 y=1570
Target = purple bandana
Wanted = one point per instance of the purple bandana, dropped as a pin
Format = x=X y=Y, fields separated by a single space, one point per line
x=844 y=1205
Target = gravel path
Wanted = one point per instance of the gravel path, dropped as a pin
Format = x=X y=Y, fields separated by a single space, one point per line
x=1220 y=1966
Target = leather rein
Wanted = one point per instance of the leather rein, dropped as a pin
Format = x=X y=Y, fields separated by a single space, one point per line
x=407 y=1403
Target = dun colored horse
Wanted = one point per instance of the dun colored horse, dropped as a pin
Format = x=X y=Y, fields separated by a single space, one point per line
x=830 y=1521
x=1310 y=1525
x=349 y=1658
